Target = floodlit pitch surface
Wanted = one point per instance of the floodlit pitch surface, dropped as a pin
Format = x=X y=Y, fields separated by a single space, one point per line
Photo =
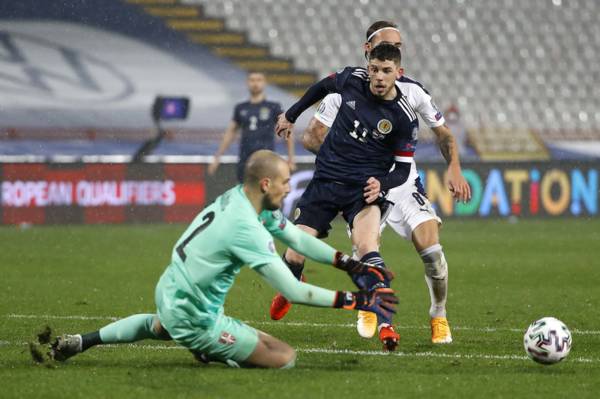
x=502 y=277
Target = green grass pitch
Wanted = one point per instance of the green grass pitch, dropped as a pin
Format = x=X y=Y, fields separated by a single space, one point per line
x=502 y=277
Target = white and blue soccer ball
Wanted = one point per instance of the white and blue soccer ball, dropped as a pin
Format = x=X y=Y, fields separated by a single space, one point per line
x=547 y=340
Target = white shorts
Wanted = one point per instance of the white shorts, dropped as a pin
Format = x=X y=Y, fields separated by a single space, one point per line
x=411 y=208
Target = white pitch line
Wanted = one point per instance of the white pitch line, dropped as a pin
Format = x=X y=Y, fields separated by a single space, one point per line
x=298 y=324
x=56 y=317
x=432 y=354
x=325 y=351
x=409 y=327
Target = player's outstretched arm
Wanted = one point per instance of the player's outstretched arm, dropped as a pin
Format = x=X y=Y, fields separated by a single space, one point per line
x=381 y=301
x=314 y=93
x=319 y=251
x=314 y=135
x=457 y=184
x=291 y=153
x=321 y=122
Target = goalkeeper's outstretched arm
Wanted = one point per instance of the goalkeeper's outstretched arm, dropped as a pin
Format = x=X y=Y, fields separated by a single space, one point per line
x=381 y=301
x=319 y=251
x=281 y=278
x=303 y=243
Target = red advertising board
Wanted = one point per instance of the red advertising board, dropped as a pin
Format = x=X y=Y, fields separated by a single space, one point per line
x=41 y=193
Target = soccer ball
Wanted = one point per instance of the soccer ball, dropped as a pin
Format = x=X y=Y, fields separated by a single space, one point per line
x=547 y=340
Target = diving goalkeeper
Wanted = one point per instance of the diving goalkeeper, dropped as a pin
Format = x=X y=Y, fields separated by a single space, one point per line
x=237 y=229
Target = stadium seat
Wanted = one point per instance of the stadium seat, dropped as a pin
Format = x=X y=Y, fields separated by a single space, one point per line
x=532 y=67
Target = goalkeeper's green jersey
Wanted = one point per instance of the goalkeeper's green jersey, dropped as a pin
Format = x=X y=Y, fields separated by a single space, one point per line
x=225 y=236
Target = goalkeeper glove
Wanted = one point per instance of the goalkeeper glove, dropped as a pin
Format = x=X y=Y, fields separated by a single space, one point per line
x=356 y=267
x=381 y=301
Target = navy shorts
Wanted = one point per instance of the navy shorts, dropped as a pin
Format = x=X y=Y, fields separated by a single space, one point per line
x=324 y=199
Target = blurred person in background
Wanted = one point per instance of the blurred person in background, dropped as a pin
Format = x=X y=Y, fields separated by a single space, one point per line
x=256 y=120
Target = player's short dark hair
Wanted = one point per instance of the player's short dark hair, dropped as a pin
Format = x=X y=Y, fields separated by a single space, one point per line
x=379 y=25
x=385 y=52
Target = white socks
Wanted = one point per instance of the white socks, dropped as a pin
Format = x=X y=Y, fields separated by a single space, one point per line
x=436 y=276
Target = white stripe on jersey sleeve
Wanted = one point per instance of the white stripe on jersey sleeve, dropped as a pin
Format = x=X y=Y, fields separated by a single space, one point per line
x=408 y=110
x=403 y=159
x=328 y=109
x=422 y=103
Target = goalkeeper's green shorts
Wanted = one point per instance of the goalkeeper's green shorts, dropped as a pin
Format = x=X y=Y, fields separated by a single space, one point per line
x=219 y=336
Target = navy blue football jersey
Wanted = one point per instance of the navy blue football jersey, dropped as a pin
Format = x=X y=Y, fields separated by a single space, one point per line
x=367 y=133
x=257 y=125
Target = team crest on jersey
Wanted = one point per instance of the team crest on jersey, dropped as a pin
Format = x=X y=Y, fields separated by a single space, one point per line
x=384 y=126
x=264 y=113
x=297 y=213
x=226 y=338
x=277 y=215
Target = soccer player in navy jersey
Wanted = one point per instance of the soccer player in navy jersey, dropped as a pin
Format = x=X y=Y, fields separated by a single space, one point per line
x=379 y=32
x=255 y=119
x=412 y=217
x=374 y=130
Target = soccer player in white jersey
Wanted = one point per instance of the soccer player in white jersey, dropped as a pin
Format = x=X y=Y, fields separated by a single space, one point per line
x=412 y=217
